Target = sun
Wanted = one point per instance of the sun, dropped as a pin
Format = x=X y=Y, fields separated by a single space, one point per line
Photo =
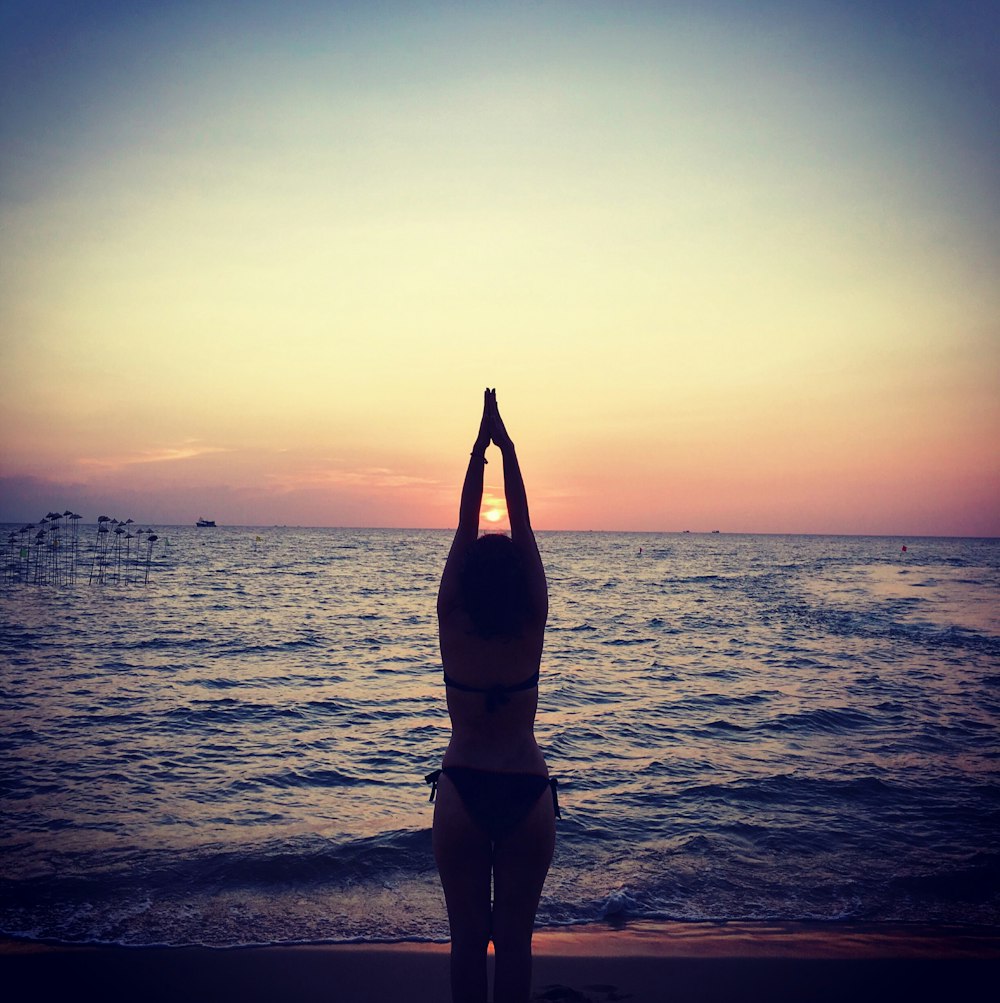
x=494 y=508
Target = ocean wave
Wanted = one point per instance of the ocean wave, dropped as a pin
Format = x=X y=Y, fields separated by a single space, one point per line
x=823 y=720
x=290 y=779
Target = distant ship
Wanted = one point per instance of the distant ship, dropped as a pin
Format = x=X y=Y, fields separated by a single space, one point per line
x=202 y=523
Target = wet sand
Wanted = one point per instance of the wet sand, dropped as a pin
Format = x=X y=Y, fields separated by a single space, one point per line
x=644 y=963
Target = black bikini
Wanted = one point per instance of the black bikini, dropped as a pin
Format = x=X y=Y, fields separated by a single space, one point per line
x=497 y=802
x=496 y=696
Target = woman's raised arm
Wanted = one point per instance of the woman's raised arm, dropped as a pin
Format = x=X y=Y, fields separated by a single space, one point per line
x=517 y=509
x=468 y=510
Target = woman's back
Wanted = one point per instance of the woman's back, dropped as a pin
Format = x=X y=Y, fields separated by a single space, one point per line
x=492 y=690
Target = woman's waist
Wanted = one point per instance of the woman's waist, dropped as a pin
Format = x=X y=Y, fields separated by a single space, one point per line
x=513 y=754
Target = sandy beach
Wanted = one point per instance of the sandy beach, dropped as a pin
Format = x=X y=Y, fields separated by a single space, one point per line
x=644 y=963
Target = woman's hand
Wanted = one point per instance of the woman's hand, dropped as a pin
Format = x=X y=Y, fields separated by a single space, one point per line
x=498 y=431
x=485 y=426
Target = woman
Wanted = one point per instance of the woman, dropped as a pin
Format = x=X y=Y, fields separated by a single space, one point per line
x=495 y=811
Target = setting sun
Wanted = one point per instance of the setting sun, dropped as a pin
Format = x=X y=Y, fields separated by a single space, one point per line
x=494 y=508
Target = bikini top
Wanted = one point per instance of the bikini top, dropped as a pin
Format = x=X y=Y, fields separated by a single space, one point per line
x=496 y=696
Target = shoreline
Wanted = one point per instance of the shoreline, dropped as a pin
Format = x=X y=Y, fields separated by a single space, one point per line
x=655 y=938
x=643 y=962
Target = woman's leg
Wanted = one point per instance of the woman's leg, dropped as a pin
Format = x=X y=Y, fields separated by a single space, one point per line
x=464 y=859
x=520 y=863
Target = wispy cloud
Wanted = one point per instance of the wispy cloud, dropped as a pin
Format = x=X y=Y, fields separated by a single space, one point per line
x=377 y=478
x=163 y=454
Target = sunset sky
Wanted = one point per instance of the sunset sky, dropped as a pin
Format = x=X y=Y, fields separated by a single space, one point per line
x=729 y=265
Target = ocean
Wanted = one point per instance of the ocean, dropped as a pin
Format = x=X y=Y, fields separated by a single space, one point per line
x=744 y=727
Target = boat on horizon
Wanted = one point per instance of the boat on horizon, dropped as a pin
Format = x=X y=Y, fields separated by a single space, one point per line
x=203 y=523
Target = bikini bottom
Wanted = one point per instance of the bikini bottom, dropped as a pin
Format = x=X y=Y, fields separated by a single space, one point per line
x=497 y=802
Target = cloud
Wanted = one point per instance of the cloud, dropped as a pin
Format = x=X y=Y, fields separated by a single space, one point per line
x=376 y=478
x=165 y=454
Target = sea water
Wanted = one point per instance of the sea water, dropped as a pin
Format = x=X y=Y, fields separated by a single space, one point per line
x=744 y=727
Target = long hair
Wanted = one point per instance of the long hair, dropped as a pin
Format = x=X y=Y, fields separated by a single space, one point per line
x=494 y=587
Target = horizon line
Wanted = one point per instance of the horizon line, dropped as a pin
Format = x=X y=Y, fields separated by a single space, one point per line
x=451 y=529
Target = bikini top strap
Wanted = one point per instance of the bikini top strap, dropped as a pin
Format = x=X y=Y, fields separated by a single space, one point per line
x=455 y=685
x=526 y=684
x=496 y=696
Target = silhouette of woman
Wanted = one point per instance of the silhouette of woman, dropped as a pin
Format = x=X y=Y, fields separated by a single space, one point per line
x=495 y=816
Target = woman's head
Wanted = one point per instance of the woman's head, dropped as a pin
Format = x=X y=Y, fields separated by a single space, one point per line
x=493 y=587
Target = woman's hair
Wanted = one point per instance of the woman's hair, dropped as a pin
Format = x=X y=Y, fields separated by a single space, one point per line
x=494 y=587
